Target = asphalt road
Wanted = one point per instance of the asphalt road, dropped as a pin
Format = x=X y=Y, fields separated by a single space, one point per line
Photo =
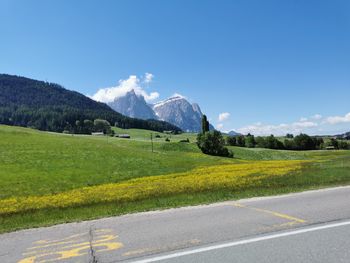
x=306 y=227
x=323 y=243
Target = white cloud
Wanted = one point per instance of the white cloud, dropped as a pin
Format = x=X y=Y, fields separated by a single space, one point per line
x=223 y=116
x=315 y=124
x=148 y=77
x=132 y=83
x=304 y=124
x=317 y=117
x=338 y=119
x=280 y=129
x=219 y=126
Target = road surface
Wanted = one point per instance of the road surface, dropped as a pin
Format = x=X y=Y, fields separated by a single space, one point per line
x=311 y=226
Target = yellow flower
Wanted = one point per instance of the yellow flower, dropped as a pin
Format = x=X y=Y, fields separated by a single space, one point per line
x=225 y=176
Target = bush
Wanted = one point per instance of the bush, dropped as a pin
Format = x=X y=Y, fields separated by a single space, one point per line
x=260 y=142
x=231 y=140
x=289 y=144
x=289 y=136
x=102 y=126
x=343 y=145
x=270 y=142
x=167 y=139
x=338 y=144
x=240 y=141
x=304 y=142
x=333 y=142
x=250 y=141
x=318 y=142
x=212 y=143
x=273 y=143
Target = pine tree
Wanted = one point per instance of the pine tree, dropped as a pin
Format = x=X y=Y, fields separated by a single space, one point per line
x=205 y=124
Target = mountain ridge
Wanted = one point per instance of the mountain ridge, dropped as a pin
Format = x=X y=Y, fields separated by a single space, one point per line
x=234 y=133
x=176 y=110
x=345 y=135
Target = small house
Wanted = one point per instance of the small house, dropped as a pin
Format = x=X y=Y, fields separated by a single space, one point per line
x=124 y=136
x=97 y=133
x=330 y=148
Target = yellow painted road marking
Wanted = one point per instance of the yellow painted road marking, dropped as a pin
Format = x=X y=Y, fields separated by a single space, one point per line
x=280 y=215
x=293 y=220
x=52 y=251
x=59 y=240
x=52 y=244
x=103 y=239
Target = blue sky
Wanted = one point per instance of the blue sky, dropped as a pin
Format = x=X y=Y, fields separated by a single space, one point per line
x=274 y=66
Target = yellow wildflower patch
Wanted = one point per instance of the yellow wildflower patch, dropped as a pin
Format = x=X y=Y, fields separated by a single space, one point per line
x=226 y=176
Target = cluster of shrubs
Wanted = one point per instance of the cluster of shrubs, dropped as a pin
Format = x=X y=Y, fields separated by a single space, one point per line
x=300 y=142
x=339 y=144
x=213 y=143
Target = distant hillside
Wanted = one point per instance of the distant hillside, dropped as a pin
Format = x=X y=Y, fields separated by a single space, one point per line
x=48 y=106
x=344 y=136
x=233 y=133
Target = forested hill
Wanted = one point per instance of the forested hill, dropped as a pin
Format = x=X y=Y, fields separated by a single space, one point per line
x=48 y=106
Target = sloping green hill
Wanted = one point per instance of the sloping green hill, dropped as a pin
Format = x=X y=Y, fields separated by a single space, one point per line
x=34 y=162
x=47 y=178
x=48 y=106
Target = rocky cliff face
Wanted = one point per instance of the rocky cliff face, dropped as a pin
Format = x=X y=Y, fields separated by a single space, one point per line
x=133 y=105
x=175 y=110
x=178 y=111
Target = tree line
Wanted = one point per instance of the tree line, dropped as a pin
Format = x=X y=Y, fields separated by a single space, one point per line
x=301 y=142
x=57 y=119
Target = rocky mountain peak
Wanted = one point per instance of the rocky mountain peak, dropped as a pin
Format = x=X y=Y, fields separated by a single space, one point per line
x=176 y=110
x=133 y=105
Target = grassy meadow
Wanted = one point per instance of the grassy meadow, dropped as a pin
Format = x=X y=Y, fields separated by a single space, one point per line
x=48 y=178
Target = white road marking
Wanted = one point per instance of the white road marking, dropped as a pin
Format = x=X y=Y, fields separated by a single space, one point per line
x=243 y=242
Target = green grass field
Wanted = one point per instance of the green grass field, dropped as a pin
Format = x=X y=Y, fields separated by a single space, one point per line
x=145 y=135
x=48 y=178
